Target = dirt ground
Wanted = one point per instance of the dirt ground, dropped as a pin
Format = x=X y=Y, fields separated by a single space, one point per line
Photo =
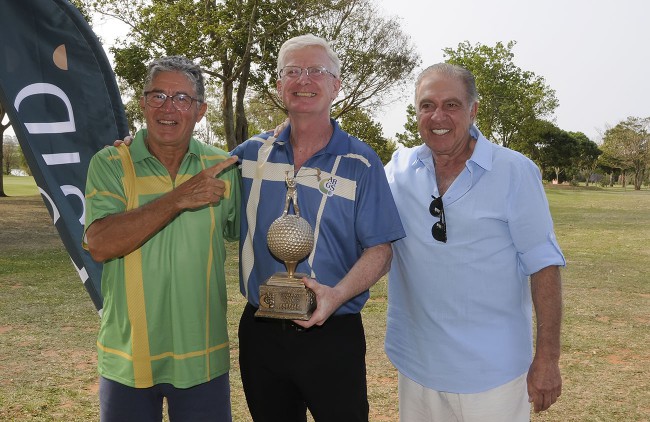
x=14 y=213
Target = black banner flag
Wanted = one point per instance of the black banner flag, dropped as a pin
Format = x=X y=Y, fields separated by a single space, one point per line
x=64 y=105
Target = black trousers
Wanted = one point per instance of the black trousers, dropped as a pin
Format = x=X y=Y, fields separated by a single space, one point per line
x=286 y=370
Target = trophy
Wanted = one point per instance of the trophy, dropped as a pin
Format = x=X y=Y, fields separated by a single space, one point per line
x=290 y=238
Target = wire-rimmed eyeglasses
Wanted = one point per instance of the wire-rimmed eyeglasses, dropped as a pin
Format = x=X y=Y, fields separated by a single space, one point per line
x=314 y=72
x=181 y=102
x=439 y=229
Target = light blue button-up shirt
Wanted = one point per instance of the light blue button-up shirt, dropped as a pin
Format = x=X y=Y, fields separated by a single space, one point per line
x=460 y=313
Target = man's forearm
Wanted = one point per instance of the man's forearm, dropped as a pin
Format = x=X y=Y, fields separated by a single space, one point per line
x=546 y=287
x=371 y=266
x=120 y=234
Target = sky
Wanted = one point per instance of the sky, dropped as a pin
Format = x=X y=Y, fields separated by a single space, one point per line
x=595 y=54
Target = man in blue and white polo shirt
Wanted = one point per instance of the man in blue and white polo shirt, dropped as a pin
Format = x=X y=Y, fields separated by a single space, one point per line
x=317 y=364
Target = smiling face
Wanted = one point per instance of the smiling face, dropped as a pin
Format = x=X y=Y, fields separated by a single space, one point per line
x=444 y=114
x=305 y=94
x=166 y=126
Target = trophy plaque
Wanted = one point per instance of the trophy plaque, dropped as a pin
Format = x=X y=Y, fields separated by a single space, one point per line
x=290 y=238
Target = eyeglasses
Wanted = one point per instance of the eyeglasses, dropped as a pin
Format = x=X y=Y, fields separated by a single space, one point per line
x=314 y=72
x=439 y=229
x=181 y=102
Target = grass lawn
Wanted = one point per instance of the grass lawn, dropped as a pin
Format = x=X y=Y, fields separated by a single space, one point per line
x=48 y=324
x=19 y=186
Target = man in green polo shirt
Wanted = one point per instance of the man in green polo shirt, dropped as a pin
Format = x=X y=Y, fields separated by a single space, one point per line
x=157 y=215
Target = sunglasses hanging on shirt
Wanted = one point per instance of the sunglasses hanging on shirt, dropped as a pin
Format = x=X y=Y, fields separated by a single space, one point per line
x=439 y=229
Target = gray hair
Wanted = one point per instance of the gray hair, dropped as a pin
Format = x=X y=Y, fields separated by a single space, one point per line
x=454 y=71
x=177 y=64
x=308 y=40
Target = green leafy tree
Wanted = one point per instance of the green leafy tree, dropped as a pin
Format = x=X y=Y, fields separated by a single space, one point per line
x=83 y=8
x=509 y=96
x=550 y=147
x=609 y=165
x=627 y=146
x=358 y=123
x=236 y=42
x=10 y=154
x=411 y=135
x=264 y=115
x=527 y=139
x=225 y=37
x=585 y=159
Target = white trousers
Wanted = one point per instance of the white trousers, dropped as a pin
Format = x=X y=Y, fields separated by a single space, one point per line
x=506 y=403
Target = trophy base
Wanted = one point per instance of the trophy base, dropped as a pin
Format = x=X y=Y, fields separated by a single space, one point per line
x=284 y=297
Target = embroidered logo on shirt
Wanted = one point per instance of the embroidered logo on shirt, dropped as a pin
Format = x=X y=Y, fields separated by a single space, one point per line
x=327 y=186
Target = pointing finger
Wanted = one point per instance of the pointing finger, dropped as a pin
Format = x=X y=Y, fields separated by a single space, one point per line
x=219 y=167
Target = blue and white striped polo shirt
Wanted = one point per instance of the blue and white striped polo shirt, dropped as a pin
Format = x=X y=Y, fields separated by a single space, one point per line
x=342 y=192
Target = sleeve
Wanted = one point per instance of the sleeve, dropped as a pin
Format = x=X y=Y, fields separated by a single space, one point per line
x=530 y=221
x=104 y=189
x=239 y=151
x=377 y=219
x=231 y=202
x=231 y=229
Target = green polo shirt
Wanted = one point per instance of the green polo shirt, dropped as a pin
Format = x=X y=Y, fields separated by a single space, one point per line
x=164 y=313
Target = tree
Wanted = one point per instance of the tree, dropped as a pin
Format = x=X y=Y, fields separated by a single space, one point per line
x=557 y=149
x=627 y=146
x=550 y=147
x=586 y=158
x=411 y=135
x=11 y=154
x=225 y=37
x=236 y=43
x=609 y=165
x=83 y=8
x=358 y=123
x=264 y=115
x=509 y=96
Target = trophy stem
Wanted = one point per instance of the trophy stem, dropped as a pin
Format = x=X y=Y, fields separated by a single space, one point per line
x=291 y=267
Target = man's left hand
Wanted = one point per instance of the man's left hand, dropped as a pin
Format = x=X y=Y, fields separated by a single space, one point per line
x=126 y=141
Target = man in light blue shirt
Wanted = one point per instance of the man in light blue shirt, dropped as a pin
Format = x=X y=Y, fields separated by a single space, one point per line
x=459 y=326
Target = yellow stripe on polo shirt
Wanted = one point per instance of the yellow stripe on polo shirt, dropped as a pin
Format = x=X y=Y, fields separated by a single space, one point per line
x=134 y=287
